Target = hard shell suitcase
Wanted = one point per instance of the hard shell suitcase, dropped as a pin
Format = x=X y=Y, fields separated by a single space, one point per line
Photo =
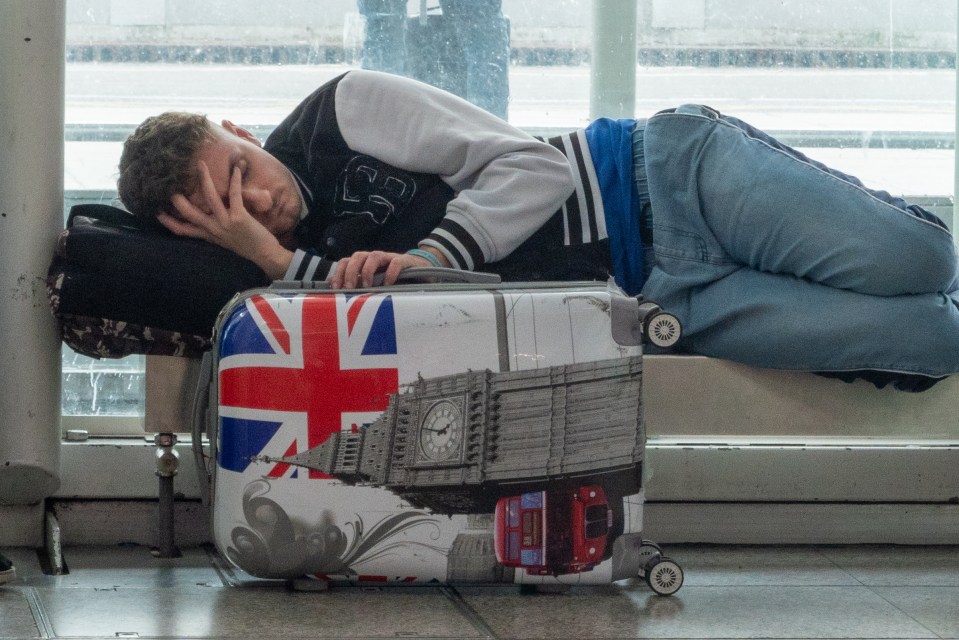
x=434 y=433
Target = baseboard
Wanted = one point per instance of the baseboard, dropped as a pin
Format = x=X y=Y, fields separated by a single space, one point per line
x=108 y=522
x=841 y=523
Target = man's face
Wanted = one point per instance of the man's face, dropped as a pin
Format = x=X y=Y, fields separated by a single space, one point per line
x=269 y=190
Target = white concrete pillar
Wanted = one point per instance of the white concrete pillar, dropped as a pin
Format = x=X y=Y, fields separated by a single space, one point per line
x=613 y=60
x=31 y=215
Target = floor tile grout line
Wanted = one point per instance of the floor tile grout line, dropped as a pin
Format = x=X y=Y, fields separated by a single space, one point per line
x=880 y=586
x=223 y=570
x=825 y=557
x=40 y=617
x=458 y=601
x=900 y=610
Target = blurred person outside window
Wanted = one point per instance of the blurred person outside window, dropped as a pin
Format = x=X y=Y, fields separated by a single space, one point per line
x=465 y=49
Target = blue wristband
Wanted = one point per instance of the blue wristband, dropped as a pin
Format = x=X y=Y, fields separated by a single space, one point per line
x=433 y=260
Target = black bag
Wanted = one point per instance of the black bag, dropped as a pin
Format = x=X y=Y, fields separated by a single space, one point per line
x=120 y=286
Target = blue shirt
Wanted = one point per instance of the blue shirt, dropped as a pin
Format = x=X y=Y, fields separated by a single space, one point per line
x=611 y=146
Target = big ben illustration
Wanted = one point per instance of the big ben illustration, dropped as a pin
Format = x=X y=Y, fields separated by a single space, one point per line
x=441 y=433
x=458 y=443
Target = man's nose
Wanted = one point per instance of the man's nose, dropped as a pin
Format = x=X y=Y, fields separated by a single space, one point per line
x=257 y=200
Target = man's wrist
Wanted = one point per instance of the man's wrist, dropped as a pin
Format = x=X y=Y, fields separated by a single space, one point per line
x=275 y=262
x=426 y=255
x=439 y=260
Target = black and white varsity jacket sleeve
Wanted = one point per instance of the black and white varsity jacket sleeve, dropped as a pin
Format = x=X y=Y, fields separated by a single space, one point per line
x=507 y=183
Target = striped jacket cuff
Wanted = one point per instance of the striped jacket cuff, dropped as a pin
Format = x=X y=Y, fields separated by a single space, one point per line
x=459 y=247
x=308 y=267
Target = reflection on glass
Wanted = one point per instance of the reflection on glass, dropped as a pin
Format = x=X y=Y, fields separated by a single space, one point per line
x=102 y=387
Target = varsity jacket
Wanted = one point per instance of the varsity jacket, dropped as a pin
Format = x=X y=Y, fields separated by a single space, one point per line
x=388 y=163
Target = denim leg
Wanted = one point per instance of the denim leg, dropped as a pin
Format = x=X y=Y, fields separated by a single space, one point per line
x=770 y=208
x=884 y=196
x=783 y=322
x=483 y=32
x=384 y=42
x=772 y=260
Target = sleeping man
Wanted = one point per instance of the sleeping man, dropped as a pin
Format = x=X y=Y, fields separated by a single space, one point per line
x=767 y=257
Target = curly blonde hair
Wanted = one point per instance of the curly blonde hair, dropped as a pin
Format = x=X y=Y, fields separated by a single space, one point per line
x=157 y=161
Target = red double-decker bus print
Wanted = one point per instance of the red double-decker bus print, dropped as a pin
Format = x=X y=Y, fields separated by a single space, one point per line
x=553 y=532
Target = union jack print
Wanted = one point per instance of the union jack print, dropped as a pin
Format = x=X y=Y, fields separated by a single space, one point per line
x=296 y=368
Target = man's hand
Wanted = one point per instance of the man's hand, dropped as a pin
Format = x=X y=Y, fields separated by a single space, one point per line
x=228 y=225
x=358 y=269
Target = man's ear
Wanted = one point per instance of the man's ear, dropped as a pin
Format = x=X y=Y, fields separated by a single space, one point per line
x=240 y=132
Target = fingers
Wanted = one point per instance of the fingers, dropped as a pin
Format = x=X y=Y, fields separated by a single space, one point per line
x=236 y=188
x=216 y=221
x=401 y=262
x=182 y=227
x=361 y=269
x=215 y=207
x=189 y=211
x=193 y=221
x=357 y=270
x=213 y=199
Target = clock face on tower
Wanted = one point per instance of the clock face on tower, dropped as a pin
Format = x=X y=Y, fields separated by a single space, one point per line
x=441 y=432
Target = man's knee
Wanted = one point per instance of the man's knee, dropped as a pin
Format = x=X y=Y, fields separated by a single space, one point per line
x=697 y=110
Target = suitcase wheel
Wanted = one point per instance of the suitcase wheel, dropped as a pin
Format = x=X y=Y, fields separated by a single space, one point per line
x=663 y=575
x=662 y=329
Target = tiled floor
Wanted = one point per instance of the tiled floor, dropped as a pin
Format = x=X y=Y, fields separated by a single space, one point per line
x=730 y=592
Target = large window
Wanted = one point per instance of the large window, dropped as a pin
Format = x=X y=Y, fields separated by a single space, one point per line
x=865 y=85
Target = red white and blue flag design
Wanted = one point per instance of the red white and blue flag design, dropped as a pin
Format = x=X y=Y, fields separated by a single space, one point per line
x=294 y=369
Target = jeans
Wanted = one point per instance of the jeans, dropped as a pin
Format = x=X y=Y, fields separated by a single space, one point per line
x=773 y=260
